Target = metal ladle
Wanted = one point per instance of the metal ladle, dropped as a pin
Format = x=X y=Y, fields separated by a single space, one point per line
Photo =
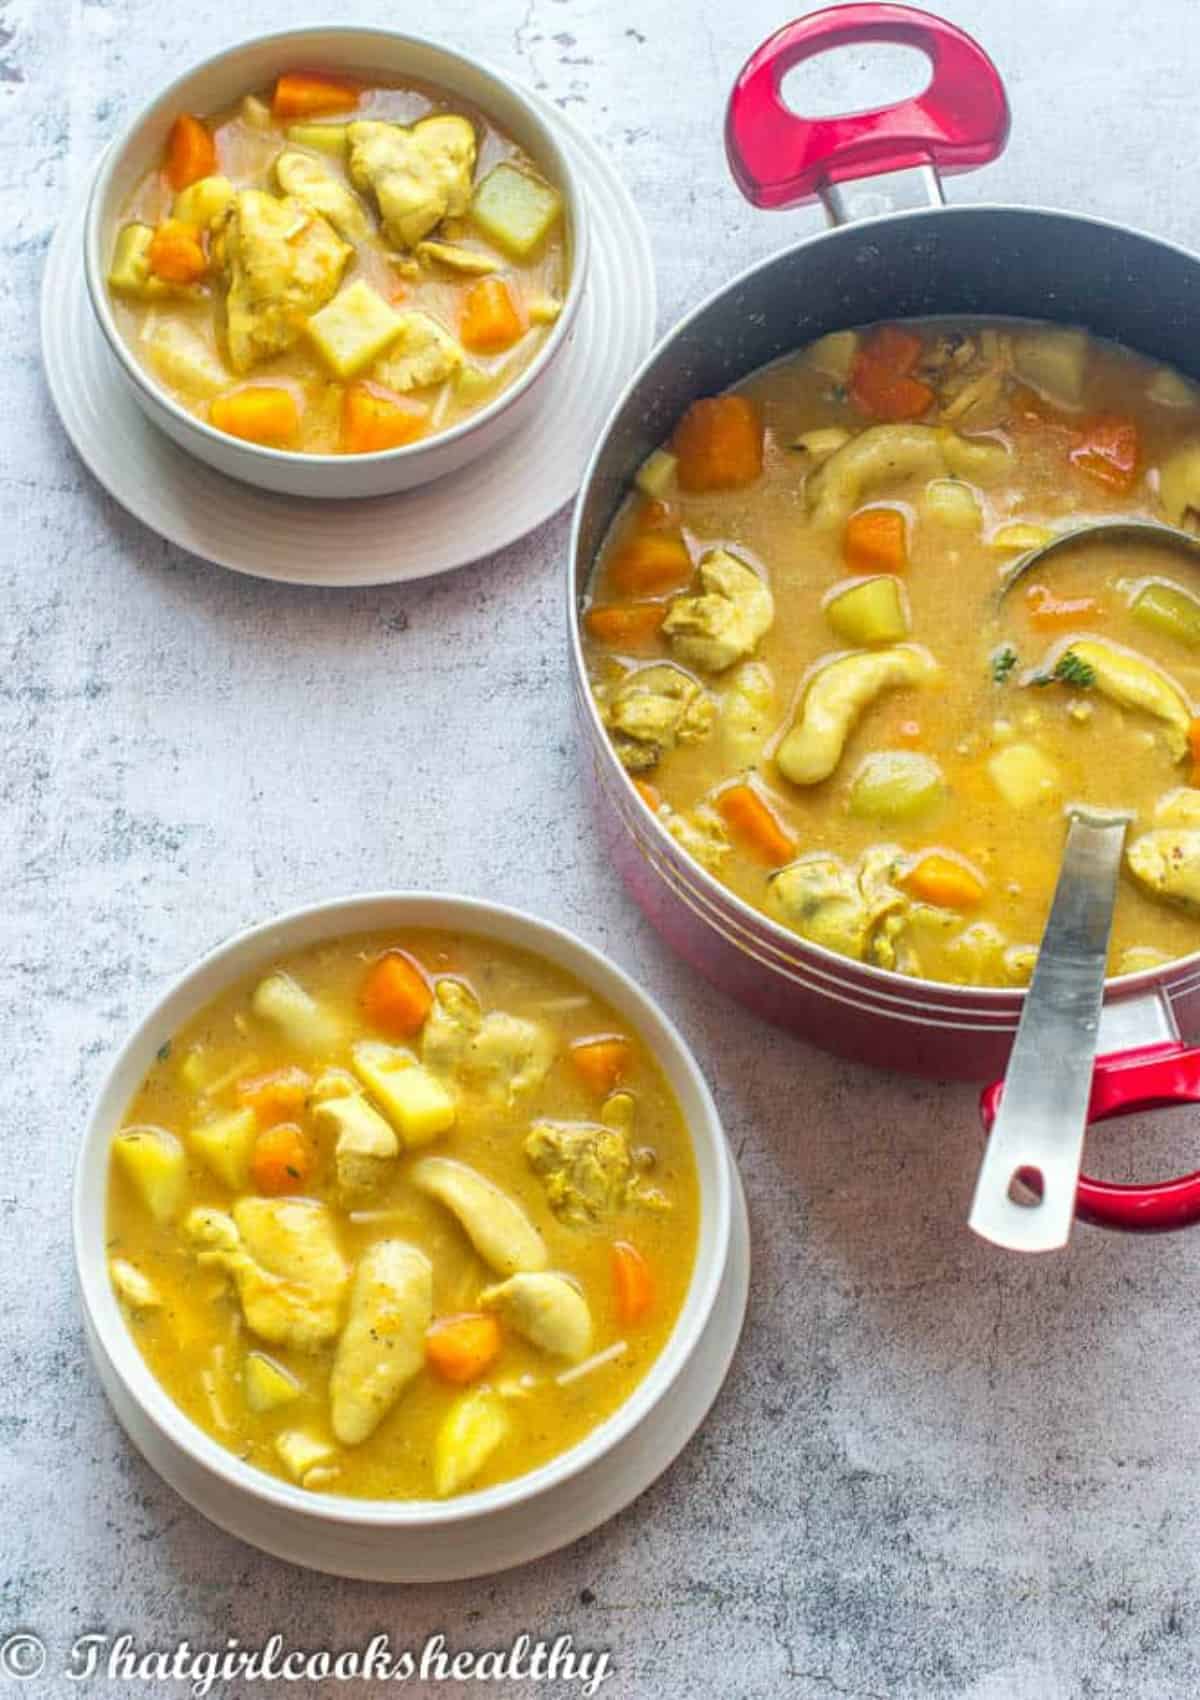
x=1101 y=531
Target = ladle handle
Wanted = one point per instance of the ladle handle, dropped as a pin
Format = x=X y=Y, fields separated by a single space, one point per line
x=1039 y=1129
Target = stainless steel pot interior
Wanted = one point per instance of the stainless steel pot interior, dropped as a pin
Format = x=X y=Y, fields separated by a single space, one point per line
x=1009 y=261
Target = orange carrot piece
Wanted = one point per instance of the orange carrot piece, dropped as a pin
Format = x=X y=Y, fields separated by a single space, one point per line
x=191 y=152
x=881 y=380
x=650 y=794
x=489 y=321
x=176 y=253
x=749 y=818
x=876 y=541
x=281 y=1160
x=629 y=627
x=299 y=94
x=719 y=444
x=1107 y=448
x=460 y=1348
x=275 y=1097
x=260 y=413
x=396 y=997
x=633 y=1283
x=1050 y=613
x=602 y=1062
x=656 y=515
x=944 y=881
x=375 y=418
x=649 y=564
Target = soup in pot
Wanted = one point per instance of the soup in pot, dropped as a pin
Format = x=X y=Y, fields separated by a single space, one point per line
x=403 y=1217
x=804 y=644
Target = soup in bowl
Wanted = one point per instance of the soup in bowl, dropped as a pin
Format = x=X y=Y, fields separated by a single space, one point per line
x=404 y=1201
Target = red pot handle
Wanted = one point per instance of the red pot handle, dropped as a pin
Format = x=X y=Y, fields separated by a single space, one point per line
x=780 y=159
x=1152 y=1077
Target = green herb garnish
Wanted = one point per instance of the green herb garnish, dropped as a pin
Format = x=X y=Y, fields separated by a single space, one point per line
x=1003 y=662
x=1073 y=671
x=164 y=1051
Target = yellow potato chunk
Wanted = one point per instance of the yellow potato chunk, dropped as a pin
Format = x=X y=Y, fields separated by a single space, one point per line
x=129 y=273
x=474 y=1426
x=266 y=1384
x=155 y=1162
x=515 y=209
x=354 y=329
x=1023 y=776
x=300 y=1451
x=226 y=1144
x=203 y=202
x=415 y=1101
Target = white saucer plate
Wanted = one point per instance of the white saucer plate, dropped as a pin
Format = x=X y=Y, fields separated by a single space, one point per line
x=382 y=540
x=481 y=1546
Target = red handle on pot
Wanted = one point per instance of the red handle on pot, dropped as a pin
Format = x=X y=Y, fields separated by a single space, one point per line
x=1149 y=1078
x=780 y=159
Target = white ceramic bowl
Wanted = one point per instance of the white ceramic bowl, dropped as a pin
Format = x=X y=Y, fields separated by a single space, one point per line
x=219 y=82
x=150 y=1414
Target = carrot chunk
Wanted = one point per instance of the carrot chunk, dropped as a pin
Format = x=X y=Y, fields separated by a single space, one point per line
x=176 y=252
x=649 y=564
x=1194 y=748
x=656 y=515
x=650 y=794
x=1107 y=448
x=1050 y=612
x=944 y=881
x=375 y=418
x=490 y=321
x=396 y=997
x=261 y=413
x=460 y=1348
x=603 y=1062
x=633 y=1283
x=281 y=1160
x=191 y=152
x=275 y=1097
x=298 y=94
x=876 y=541
x=881 y=379
x=749 y=818
x=719 y=443
x=631 y=627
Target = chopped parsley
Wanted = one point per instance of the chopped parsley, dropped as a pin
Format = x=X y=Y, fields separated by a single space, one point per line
x=1069 y=669
x=164 y=1051
x=1003 y=662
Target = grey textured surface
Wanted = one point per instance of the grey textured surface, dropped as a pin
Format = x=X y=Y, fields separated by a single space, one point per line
x=935 y=1471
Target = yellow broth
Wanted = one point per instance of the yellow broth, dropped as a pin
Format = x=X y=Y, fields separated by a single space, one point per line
x=180 y=336
x=1096 y=750
x=196 y=1339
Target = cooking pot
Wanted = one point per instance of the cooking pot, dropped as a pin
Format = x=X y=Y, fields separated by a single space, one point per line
x=895 y=251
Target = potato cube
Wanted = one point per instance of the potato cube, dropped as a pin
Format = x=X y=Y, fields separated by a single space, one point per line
x=414 y=1100
x=299 y=1017
x=155 y=1162
x=299 y=1451
x=354 y=329
x=324 y=138
x=656 y=474
x=129 y=273
x=266 y=1384
x=1023 y=776
x=202 y=202
x=474 y=1426
x=515 y=209
x=226 y=1146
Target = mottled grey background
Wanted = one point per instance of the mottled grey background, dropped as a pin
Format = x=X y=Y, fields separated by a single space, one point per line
x=935 y=1471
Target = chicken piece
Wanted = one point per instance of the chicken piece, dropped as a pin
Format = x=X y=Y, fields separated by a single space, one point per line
x=1127 y=679
x=473 y=261
x=418 y=175
x=546 y=1309
x=653 y=709
x=284 y=262
x=837 y=694
x=883 y=454
x=508 y=1057
x=1166 y=864
x=450 y=1026
x=747 y=712
x=283 y=1256
x=824 y=899
x=585 y=1167
x=700 y=831
x=422 y=352
x=725 y=622
x=494 y=1223
x=383 y=1343
x=319 y=187
x=366 y=1145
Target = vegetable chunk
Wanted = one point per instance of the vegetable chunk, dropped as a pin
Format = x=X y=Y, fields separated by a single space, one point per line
x=259 y=413
x=871 y=611
x=375 y=419
x=718 y=444
x=354 y=329
x=515 y=209
x=226 y=1145
x=298 y=94
x=460 y=1349
x=155 y=1162
x=396 y=996
x=415 y=1102
x=490 y=321
x=191 y=152
x=472 y=1429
